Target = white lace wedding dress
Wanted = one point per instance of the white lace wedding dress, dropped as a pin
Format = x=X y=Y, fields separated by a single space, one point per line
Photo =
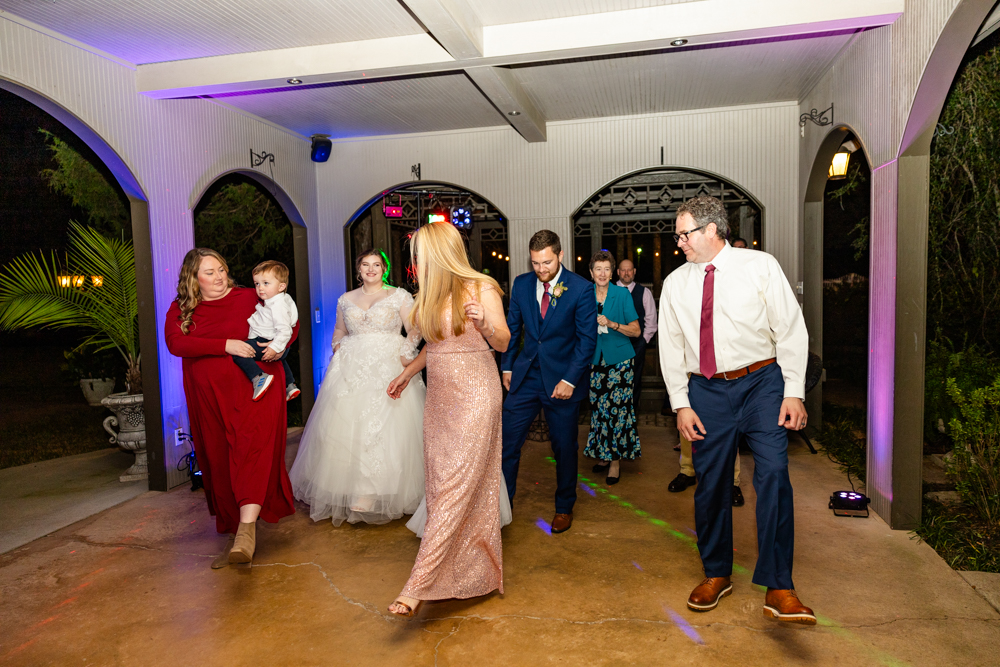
x=361 y=454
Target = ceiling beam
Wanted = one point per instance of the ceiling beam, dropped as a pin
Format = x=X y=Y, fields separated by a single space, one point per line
x=703 y=22
x=263 y=70
x=452 y=23
x=502 y=89
x=628 y=31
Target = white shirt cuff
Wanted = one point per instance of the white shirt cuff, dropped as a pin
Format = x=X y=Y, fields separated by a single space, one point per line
x=569 y=383
x=795 y=390
x=678 y=401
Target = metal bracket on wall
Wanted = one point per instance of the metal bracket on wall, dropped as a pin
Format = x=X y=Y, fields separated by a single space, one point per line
x=415 y=172
x=817 y=117
x=257 y=159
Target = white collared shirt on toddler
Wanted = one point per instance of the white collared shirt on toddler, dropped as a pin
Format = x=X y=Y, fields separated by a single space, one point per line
x=274 y=319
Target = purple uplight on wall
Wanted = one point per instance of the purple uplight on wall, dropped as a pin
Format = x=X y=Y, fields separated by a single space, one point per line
x=882 y=336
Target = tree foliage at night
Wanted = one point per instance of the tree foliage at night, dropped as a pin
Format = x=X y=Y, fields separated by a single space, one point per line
x=963 y=300
x=87 y=187
x=245 y=226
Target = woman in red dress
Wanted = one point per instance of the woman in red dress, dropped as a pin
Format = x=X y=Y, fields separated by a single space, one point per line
x=240 y=444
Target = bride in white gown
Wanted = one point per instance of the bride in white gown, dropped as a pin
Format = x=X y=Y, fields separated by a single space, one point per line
x=361 y=454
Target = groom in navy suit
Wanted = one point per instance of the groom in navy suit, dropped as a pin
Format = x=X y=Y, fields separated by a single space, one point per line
x=556 y=310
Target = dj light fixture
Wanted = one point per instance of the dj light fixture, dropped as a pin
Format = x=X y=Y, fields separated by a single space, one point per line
x=849 y=503
x=461 y=217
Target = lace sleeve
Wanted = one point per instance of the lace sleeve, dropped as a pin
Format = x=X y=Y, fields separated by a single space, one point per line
x=339 y=331
x=409 y=350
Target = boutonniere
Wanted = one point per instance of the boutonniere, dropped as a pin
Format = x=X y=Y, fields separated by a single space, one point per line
x=557 y=290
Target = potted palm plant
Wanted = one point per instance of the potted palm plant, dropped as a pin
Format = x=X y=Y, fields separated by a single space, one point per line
x=94 y=291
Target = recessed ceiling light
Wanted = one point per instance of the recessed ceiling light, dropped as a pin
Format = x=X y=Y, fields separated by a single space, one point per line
x=295 y=82
x=513 y=113
x=678 y=42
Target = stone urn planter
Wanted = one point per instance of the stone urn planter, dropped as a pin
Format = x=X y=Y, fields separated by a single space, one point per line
x=131 y=435
x=95 y=389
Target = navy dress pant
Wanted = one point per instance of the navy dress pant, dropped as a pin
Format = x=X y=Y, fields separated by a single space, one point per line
x=563 y=418
x=746 y=406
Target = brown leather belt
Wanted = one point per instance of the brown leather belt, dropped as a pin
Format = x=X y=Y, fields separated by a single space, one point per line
x=732 y=375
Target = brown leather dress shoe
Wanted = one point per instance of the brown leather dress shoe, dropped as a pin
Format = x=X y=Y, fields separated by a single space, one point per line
x=707 y=594
x=562 y=522
x=784 y=605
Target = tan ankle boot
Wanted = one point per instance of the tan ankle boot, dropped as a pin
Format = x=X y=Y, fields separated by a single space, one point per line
x=246 y=542
x=222 y=560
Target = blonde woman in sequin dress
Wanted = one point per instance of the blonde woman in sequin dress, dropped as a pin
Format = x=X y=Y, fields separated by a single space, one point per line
x=459 y=313
x=360 y=458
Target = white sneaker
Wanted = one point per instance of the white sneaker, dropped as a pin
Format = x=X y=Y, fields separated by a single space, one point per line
x=260 y=385
x=291 y=391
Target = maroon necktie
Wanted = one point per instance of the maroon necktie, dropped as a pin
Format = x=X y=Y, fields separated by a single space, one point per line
x=706 y=352
x=545 y=299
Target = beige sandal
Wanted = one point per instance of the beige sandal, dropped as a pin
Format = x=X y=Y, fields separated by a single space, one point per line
x=407 y=612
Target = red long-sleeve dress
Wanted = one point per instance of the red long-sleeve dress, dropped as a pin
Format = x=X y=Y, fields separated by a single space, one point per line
x=240 y=444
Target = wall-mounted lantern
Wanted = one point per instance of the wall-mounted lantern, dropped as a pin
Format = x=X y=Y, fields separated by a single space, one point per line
x=838 y=168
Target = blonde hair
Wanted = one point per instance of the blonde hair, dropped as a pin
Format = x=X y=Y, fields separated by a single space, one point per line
x=443 y=271
x=188 y=290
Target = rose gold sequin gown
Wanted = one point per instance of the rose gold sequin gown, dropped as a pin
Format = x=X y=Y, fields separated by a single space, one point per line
x=460 y=555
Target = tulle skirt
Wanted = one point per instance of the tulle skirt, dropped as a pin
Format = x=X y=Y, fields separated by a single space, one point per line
x=361 y=454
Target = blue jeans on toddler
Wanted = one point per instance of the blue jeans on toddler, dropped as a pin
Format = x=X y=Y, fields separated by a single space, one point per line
x=251 y=369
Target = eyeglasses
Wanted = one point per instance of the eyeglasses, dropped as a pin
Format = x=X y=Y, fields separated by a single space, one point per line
x=684 y=235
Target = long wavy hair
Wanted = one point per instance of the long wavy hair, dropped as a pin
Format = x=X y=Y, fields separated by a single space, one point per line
x=443 y=271
x=188 y=290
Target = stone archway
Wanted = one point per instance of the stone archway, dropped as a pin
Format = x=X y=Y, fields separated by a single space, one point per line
x=376 y=224
x=639 y=208
x=301 y=271
x=141 y=243
x=898 y=318
x=814 y=252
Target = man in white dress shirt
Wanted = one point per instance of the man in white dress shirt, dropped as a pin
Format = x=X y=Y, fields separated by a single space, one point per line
x=642 y=299
x=733 y=351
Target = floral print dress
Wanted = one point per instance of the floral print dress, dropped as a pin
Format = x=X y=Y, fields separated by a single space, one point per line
x=613 y=435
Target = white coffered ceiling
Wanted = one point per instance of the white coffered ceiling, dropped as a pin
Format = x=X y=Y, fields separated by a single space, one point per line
x=373 y=67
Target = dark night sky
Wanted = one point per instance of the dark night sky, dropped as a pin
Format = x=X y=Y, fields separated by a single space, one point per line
x=32 y=217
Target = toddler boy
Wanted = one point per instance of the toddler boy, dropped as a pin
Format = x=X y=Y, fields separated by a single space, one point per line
x=270 y=327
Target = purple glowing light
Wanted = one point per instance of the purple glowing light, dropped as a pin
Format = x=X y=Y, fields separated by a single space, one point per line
x=684 y=626
x=543 y=525
x=637 y=566
x=588 y=489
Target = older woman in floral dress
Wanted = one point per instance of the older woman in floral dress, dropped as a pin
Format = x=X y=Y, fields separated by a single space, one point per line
x=613 y=435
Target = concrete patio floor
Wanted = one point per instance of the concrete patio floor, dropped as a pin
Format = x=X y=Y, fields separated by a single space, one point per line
x=132 y=586
x=40 y=498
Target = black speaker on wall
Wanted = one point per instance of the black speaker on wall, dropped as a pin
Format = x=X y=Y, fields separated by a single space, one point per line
x=321 y=147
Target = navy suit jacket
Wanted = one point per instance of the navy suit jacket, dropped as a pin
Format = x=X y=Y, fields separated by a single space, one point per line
x=563 y=342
